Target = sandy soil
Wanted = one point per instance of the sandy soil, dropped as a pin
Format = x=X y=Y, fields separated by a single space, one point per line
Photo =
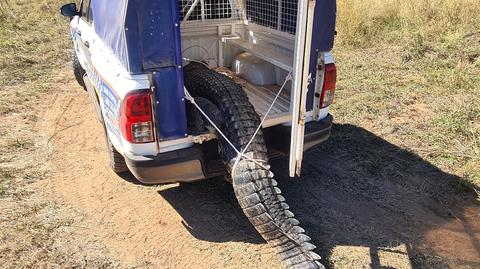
x=365 y=202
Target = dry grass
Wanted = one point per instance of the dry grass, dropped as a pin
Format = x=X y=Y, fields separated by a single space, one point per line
x=410 y=71
x=362 y=22
x=35 y=232
x=33 y=46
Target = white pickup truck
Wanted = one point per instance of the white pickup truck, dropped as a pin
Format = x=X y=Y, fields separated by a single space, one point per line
x=193 y=89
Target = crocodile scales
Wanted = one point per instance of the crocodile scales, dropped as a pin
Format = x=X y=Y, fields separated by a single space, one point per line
x=255 y=187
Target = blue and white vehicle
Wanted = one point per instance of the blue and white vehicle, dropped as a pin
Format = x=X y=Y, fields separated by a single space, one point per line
x=140 y=59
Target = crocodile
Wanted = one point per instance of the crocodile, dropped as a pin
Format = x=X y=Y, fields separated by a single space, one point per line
x=254 y=185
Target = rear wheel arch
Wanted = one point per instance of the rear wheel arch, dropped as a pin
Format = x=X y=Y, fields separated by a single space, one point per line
x=116 y=160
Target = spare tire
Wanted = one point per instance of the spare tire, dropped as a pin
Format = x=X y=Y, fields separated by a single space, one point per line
x=254 y=187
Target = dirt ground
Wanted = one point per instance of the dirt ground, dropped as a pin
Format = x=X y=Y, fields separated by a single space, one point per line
x=408 y=86
x=366 y=203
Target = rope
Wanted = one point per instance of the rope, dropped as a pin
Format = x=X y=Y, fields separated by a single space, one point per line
x=241 y=154
x=237 y=161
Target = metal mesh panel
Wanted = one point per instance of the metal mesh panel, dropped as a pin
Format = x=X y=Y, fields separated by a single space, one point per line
x=207 y=10
x=217 y=9
x=184 y=7
x=263 y=12
x=276 y=14
x=289 y=16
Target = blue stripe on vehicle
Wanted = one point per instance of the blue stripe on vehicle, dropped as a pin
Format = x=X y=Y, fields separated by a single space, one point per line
x=111 y=103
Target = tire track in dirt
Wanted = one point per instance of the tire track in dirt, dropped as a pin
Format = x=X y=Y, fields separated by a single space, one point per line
x=137 y=224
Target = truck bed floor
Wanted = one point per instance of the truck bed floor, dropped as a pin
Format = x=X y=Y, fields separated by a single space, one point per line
x=262 y=97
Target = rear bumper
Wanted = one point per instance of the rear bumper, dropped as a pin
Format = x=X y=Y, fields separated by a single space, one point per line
x=202 y=161
x=185 y=165
x=316 y=132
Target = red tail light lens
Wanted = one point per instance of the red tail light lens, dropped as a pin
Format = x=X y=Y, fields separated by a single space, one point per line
x=136 y=120
x=329 y=85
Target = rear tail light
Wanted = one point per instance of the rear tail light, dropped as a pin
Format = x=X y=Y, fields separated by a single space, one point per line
x=329 y=84
x=136 y=120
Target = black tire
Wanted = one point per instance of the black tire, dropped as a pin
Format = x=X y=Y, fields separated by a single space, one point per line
x=254 y=187
x=78 y=70
x=115 y=160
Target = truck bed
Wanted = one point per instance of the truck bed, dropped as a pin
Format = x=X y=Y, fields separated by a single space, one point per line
x=262 y=97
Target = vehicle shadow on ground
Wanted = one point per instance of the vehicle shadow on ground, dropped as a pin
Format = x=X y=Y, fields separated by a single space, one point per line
x=211 y=212
x=356 y=190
